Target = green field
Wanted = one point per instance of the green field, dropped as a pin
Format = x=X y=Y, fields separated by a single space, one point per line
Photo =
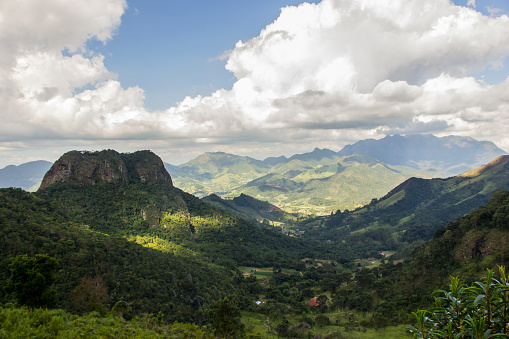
x=259 y=324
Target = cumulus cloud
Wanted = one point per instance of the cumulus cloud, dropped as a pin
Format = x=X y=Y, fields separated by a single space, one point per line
x=320 y=74
x=379 y=66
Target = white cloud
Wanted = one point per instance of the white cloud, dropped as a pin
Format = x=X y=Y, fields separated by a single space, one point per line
x=363 y=65
x=321 y=74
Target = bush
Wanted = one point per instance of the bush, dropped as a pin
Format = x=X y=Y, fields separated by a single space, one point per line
x=322 y=320
x=478 y=311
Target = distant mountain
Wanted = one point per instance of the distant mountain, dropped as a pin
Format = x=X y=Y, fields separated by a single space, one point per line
x=317 y=154
x=322 y=180
x=25 y=175
x=273 y=161
x=175 y=171
x=451 y=154
x=219 y=173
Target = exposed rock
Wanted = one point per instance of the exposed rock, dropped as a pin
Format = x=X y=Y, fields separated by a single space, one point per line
x=90 y=168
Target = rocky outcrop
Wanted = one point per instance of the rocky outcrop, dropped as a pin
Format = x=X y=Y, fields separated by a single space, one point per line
x=90 y=168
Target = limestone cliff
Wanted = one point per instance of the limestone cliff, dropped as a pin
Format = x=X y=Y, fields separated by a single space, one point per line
x=90 y=168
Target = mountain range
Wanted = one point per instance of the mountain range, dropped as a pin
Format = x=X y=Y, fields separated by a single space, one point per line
x=125 y=234
x=317 y=182
x=323 y=181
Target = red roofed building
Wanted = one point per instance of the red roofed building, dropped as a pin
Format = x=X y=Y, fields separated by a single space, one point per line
x=314 y=302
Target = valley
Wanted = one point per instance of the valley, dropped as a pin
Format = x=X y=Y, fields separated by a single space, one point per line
x=323 y=181
x=135 y=249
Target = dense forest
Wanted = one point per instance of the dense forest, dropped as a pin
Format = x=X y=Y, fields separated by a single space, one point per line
x=114 y=243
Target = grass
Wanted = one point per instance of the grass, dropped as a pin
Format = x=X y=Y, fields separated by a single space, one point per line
x=262 y=273
x=257 y=323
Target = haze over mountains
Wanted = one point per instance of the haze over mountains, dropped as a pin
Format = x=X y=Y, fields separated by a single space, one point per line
x=322 y=181
x=25 y=176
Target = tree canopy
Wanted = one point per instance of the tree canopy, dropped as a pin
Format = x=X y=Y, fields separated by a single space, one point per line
x=31 y=279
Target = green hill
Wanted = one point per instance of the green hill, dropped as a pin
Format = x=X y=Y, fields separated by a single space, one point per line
x=465 y=248
x=312 y=183
x=132 y=195
x=326 y=185
x=98 y=270
x=252 y=209
x=414 y=210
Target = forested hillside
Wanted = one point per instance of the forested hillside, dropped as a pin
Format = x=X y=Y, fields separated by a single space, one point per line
x=465 y=248
x=414 y=210
x=98 y=270
x=128 y=242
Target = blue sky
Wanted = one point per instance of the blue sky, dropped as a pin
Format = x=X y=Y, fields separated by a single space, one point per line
x=259 y=78
x=172 y=49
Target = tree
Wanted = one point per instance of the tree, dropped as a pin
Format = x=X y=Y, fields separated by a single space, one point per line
x=226 y=318
x=31 y=279
x=91 y=295
x=283 y=329
x=322 y=301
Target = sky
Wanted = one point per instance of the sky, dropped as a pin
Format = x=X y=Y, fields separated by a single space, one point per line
x=252 y=77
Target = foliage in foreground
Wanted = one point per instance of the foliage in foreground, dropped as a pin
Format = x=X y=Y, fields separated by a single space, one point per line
x=40 y=323
x=478 y=311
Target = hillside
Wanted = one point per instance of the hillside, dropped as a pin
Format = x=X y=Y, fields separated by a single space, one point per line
x=26 y=176
x=132 y=195
x=465 y=248
x=251 y=209
x=323 y=181
x=104 y=268
x=468 y=245
x=412 y=211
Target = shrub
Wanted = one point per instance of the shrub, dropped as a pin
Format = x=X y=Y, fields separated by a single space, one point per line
x=478 y=311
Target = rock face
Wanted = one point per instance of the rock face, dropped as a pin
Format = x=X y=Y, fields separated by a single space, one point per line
x=90 y=168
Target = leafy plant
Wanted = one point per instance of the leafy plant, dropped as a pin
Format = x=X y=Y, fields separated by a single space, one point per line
x=478 y=311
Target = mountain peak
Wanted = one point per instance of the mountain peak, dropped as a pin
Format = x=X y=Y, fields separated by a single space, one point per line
x=453 y=154
x=317 y=154
x=90 y=168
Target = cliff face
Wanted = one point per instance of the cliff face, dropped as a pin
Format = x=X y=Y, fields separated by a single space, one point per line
x=90 y=168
